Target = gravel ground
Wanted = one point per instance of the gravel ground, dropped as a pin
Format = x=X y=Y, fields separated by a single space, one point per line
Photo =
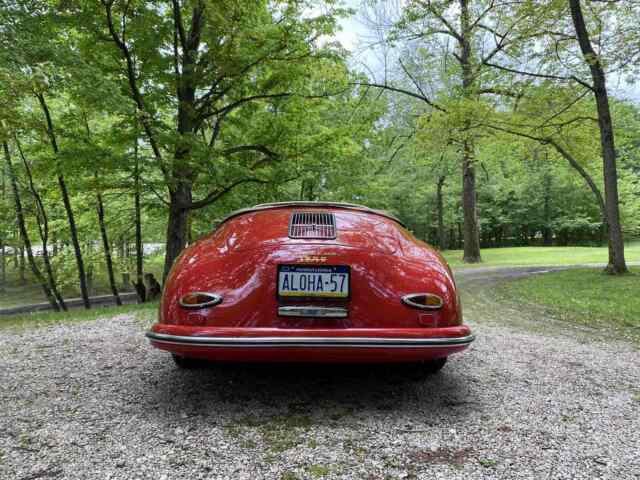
x=94 y=400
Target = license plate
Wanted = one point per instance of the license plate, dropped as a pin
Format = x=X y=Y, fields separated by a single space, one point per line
x=313 y=281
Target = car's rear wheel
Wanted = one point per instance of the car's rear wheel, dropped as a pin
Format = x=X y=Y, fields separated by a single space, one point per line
x=185 y=362
x=431 y=367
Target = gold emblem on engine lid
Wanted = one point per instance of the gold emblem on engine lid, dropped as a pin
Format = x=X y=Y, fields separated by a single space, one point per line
x=312 y=259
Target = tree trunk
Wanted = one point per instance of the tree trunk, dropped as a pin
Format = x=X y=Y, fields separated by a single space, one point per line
x=43 y=229
x=23 y=232
x=16 y=249
x=180 y=196
x=21 y=265
x=617 y=264
x=442 y=235
x=3 y=251
x=469 y=200
x=471 y=232
x=176 y=225
x=90 y=277
x=3 y=266
x=67 y=205
x=546 y=229
x=107 y=249
x=140 y=288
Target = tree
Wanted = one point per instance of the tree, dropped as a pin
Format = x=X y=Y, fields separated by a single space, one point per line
x=23 y=230
x=566 y=38
x=225 y=61
x=480 y=31
x=42 y=221
x=617 y=263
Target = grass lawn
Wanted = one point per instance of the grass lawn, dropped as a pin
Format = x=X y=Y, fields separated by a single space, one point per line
x=542 y=255
x=144 y=312
x=583 y=296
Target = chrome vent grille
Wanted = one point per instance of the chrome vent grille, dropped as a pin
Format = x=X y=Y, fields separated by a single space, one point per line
x=312 y=225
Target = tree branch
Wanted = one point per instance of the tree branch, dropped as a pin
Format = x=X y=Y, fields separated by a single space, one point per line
x=216 y=194
x=452 y=31
x=540 y=75
x=568 y=157
x=133 y=85
x=177 y=18
x=403 y=91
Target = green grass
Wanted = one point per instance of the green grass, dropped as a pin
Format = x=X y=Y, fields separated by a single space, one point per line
x=542 y=256
x=144 y=312
x=583 y=296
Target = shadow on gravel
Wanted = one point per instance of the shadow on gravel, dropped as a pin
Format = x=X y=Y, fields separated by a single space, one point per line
x=323 y=392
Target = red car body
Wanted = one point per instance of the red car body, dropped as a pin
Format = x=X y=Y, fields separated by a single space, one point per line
x=253 y=272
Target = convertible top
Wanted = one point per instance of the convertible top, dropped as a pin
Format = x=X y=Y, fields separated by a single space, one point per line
x=307 y=204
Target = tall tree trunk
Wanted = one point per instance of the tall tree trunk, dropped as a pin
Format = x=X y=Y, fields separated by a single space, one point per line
x=140 y=288
x=3 y=266
x=16 y=248
x=21 y=265
x=107 y=248
x=546 y=229
x=469 y=197
x=25 y=235
x=43 y=229
x=181 y=194
x=67 y=205
x=124 y=255
x=3 y=247
x=176 y=224
x=442 y=234
x=617 y=264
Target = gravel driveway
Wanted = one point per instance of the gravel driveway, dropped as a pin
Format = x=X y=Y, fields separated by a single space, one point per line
x=94 y=400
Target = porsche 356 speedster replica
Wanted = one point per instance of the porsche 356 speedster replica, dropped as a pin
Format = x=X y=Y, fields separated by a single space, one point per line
x=310 y=282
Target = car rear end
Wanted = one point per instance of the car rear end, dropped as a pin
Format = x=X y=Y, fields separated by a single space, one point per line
x=310 y=283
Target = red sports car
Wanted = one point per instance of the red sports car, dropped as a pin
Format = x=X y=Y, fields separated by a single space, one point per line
x=311 y=282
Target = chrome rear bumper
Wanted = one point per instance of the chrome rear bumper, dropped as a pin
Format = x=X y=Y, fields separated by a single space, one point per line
x=345 y=342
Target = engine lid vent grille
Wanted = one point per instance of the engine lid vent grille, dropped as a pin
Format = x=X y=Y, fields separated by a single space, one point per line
x=312 y=225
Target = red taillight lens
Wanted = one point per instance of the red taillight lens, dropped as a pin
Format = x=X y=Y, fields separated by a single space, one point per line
x=199 y=300
x=423 y=301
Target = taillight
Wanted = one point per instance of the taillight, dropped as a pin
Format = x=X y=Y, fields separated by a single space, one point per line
x=423 y=301
x=199 y=300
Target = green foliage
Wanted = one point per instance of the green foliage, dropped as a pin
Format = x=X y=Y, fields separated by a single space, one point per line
x=280 y=112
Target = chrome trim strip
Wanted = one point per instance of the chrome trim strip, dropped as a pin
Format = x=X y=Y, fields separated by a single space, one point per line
x=348 y=342
x=310 y=311
x=347 y=206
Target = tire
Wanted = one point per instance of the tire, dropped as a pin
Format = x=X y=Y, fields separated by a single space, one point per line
x=185 y=363
x=431 y=367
